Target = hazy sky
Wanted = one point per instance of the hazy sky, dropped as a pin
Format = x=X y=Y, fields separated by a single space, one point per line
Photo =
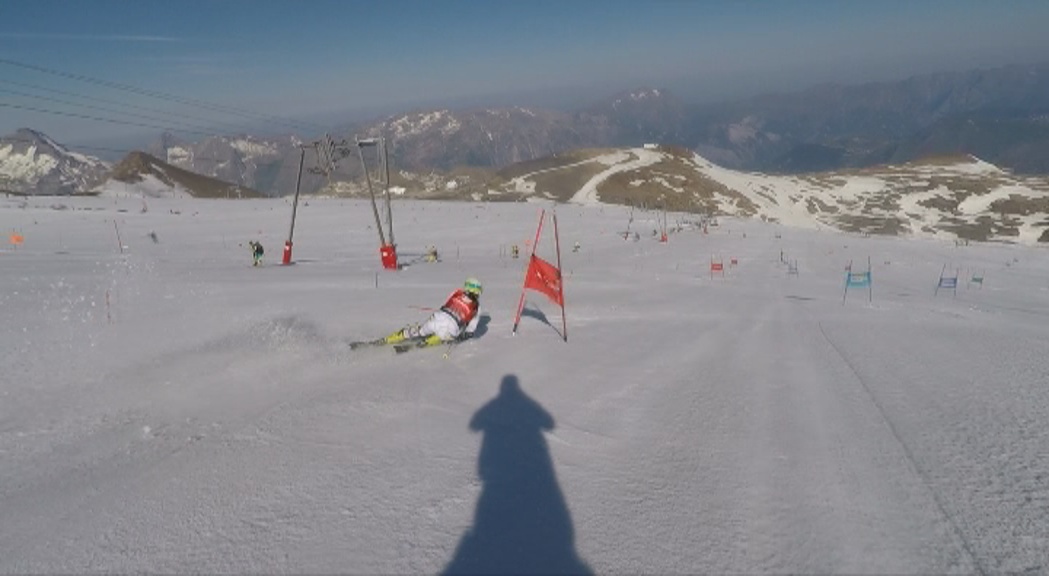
x=307 y=59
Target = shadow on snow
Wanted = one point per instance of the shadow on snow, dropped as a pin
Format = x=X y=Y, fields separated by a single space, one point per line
x=522 y=524
x=538 y=314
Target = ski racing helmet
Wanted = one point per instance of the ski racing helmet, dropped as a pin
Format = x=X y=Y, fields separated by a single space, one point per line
x=472 y=286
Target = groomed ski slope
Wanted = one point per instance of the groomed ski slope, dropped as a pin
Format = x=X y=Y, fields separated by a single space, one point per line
x=210 y=417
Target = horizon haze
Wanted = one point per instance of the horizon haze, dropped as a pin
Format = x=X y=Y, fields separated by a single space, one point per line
x=71 y=69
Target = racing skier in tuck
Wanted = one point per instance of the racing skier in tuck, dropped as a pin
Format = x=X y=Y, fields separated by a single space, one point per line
x=456 y=320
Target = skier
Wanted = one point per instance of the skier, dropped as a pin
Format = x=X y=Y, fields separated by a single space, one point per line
x=256 y=252
x=456 y=320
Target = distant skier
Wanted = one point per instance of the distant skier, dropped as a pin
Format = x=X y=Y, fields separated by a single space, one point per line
x=456 y=320
x=256 y=252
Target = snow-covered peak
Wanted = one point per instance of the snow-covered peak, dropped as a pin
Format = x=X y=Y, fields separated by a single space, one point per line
x=28 y=165
x=420 y=122
x=179 y=155
x=637 y=96
x=251 y=147
x=31 y=162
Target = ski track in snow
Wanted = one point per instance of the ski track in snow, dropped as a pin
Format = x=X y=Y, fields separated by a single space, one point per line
x=166 y=407
x=620 y=163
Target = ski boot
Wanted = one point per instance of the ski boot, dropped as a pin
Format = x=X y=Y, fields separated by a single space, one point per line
x=409 y=332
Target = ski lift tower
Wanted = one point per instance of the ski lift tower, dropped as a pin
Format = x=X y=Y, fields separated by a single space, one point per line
x=327 y=152
x=387 y=250
x=286 y=258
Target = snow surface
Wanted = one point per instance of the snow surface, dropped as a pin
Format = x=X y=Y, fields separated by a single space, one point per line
x=166 y=407
x=785 y=199
x=149 y=187
x=978 y=203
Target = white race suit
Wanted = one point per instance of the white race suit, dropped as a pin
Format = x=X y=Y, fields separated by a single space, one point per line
x=444 y=325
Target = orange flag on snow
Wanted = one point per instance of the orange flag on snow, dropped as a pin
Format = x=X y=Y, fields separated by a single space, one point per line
x=17 y=239
x=544 y=277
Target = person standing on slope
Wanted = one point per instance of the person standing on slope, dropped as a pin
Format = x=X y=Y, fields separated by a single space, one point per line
x=456 y=320
x=256 y=252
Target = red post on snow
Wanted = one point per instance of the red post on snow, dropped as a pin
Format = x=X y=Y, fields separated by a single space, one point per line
x=561 y=284
x=388 y=254
x=520 y=303
x=287 y=253
x=544 y=277
x=718 y=266
x=286 y=260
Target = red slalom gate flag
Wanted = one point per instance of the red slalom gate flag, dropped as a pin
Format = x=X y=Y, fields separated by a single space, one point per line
x=544 y=277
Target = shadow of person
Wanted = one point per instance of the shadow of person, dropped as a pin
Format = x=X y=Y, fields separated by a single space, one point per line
x=522 y=524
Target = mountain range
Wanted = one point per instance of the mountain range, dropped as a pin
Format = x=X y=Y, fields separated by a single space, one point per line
x=1000 y=115
x=958 y=197
x=821 y=136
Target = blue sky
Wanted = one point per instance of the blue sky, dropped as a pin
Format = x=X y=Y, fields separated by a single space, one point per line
x=324 y=60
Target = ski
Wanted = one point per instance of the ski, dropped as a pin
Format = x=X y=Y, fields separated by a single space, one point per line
x=381 y=342
x=448 y=346
x=367 y=343
x=406 y=346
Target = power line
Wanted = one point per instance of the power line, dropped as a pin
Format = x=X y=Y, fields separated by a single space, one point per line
x=235 y=127
x=8 y=139
x=99 y=108
x=99 y=119
x=162 y=95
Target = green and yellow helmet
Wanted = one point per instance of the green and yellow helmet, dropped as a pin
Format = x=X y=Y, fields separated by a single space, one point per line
x=472 y=286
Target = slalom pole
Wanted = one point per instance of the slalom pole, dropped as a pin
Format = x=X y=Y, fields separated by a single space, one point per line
x=520 y=303
x=848 y=278
x=870 y=281
x=561 y=280
x=120 y=243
